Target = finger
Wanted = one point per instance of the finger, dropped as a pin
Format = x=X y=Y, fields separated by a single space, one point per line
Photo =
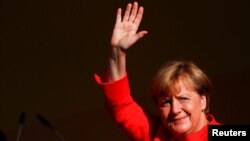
x=133 y=12
x=139 y=16
x=119 y=15
x=127 y=12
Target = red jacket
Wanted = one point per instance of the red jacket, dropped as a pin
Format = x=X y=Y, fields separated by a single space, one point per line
x=134 y=121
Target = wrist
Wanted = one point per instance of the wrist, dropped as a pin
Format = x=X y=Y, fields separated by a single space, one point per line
x=117 y=52
x=117 y=64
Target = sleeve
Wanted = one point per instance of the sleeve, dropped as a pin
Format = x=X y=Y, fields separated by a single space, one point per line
x=124 y=110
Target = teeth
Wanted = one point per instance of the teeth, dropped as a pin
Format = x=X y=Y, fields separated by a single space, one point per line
x=179 y=118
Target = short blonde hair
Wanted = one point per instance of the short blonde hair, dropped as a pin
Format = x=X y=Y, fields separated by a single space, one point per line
x=166 y=79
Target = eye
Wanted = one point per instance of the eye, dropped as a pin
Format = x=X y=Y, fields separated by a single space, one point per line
x=166 y=102
x=183 y=98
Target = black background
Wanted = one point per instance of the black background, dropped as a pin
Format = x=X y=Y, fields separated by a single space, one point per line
x=50 y=50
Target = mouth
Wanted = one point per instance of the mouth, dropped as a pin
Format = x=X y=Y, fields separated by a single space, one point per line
x=178 y=120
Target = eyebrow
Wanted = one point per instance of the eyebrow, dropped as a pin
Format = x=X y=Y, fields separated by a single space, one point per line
x=182 y=94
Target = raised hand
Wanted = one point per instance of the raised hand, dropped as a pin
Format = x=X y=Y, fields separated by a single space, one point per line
x=125 y=30
x=123 y=37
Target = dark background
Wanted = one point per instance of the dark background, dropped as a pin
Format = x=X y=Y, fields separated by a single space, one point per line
x=50 y=50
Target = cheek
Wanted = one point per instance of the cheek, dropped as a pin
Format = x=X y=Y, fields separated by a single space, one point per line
x=164 y=112
x=192 y=108
x=189 y=107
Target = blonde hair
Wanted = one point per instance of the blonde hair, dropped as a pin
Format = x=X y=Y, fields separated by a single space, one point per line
x=167 y=78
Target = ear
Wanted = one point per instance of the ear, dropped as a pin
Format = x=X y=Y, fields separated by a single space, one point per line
x=203 y=102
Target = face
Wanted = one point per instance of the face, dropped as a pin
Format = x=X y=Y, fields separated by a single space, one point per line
x=182 y=112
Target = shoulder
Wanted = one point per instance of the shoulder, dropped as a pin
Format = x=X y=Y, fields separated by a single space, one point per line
x=211 y=119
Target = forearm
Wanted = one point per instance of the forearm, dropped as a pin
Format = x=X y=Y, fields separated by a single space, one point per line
x=124 y=110
x=116 y=68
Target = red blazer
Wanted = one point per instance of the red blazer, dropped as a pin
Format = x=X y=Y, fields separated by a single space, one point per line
x=138 y=124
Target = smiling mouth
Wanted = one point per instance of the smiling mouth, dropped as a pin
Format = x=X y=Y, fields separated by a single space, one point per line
x=178 y=120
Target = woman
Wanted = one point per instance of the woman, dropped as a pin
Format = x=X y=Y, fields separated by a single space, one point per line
x=180 y=90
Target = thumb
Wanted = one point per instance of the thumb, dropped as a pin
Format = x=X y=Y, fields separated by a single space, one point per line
x=140 y=35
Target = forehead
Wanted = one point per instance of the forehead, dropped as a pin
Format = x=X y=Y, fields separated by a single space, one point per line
x=179 y=87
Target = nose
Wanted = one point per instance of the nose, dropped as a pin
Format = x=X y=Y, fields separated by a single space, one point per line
x=175 y=107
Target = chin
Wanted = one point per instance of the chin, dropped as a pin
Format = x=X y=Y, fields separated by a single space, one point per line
x=180 y=129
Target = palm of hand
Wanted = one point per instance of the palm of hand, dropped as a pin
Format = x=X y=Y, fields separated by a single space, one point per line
x=125 y=30
x=124 y=35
